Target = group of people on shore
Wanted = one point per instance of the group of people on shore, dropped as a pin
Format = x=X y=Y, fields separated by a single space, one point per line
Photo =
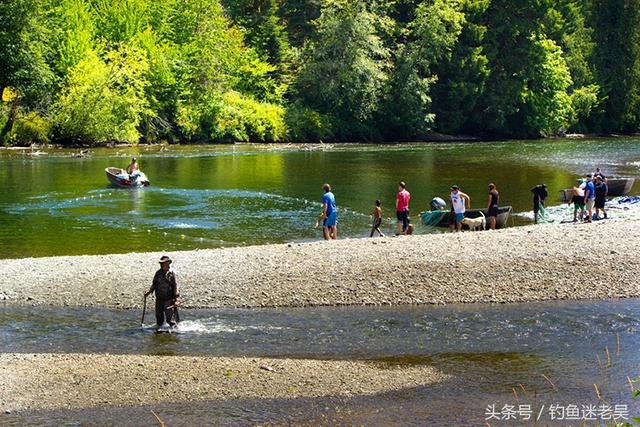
x=458 y=201
x=589 y=194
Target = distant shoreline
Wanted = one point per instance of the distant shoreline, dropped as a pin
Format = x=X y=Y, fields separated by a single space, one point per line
x=529 y=263
x=432 y=138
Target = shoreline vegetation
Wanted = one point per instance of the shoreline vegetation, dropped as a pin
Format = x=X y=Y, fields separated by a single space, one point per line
x=222 y=71
x=529 y=263
x=435 y=139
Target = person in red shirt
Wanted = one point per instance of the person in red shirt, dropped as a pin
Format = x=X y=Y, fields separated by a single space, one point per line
x=402 y=208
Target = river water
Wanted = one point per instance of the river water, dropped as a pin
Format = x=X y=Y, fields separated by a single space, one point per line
x=214 y=196
x=489 y=350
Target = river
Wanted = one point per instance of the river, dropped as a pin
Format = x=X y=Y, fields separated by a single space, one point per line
x=557 y=351
x=216 y=196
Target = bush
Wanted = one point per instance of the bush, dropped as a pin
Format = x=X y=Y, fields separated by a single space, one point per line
x=306 y=124
x=239 y=118
x=583 y=100
x=104 y=99
x=30 y=129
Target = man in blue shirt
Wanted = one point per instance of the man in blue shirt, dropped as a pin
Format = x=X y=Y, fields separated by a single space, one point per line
x=330 y=214
x=589 y=196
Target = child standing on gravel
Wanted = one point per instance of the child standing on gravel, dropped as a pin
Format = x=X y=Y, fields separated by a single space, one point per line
x=377 y=219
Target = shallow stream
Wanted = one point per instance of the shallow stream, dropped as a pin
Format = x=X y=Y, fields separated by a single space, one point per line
x=489 y=349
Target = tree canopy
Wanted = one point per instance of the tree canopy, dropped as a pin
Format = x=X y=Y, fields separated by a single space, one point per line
x=95 y=71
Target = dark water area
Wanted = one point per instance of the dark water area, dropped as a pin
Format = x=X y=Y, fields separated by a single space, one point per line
x=488 y=349
x=216 y=196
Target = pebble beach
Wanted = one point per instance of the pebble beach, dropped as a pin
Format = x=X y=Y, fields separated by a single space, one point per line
x=532 y=263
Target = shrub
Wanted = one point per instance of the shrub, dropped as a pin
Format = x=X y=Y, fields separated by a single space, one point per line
x=104 y=99
x=30 y=129
x=238 y=118
x=306 y=124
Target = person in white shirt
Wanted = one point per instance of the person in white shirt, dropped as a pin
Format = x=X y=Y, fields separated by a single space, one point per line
x=460 y=202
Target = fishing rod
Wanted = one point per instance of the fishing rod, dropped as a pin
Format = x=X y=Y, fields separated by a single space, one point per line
x=144 y=309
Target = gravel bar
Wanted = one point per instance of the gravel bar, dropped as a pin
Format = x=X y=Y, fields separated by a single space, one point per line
x=532 y=263
x=49 y=381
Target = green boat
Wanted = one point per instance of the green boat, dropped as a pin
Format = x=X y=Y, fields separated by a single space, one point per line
x=443 y=218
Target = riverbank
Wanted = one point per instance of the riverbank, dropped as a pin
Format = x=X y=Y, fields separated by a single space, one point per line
x=545 y=262
x=50 y=381
x=431 y=137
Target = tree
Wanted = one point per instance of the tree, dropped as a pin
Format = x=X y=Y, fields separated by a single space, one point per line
x=432 y=35
x=23 y=52
x=462 y=75
x=616 y=25
x=105 y=99
x=343 y=69
x=528 y=79
x=264 y=28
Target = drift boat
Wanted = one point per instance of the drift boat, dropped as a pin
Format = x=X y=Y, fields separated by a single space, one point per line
x=120 y=178
x=618 y=187
x=444 y=218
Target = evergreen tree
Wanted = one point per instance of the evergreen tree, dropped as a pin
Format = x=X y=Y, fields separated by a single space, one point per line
x=616 y=25
x=343 y=69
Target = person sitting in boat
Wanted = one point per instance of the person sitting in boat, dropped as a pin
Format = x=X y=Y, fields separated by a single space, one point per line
x=167 y=293
x=133 y=169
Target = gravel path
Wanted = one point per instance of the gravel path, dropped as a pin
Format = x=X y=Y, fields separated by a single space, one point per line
x=561 y=261
x=47 y=381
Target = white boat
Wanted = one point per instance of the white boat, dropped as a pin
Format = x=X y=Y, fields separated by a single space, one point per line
x=120 y=178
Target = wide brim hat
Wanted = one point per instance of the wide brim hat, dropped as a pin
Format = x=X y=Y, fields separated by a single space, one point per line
x=164 y=259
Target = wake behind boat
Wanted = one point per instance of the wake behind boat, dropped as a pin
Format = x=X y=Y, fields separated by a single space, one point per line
x=120 y=178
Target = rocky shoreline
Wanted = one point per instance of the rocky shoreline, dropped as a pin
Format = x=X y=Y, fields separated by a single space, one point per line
x=545 y=262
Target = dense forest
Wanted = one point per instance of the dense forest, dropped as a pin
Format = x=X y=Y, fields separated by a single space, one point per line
x=91 y=71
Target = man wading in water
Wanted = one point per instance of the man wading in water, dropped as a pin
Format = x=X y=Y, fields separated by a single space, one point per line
x=330 y=214
x=166 y=289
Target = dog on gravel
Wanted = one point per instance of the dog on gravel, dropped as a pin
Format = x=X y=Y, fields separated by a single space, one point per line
x=474 y=224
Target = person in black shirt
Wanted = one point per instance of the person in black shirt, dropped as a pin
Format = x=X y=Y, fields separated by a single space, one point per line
x=492 y=207
x=167 y=293
x=601 y=196
x=539 y=194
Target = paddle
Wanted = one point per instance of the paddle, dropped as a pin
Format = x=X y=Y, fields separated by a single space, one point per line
x=144 y=309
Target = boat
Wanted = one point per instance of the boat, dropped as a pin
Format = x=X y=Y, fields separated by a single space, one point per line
x=619 y=186
x=120 y=178
x=443 y=218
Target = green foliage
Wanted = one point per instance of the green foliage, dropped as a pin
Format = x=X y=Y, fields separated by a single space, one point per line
x=306 y=124
x=310 y=70
x=30 y=129
x=75 y=34
x=343 y=69
x=265 y=31
x=432 y=36
x=616 y=25
x=545 y=99
x=584 y=100
x=462 y=75
x=105 y=99
x=119 y=21
x=244 y=119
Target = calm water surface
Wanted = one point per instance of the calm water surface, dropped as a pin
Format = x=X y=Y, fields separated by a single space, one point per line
x=213 y=196
x=488 y=349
